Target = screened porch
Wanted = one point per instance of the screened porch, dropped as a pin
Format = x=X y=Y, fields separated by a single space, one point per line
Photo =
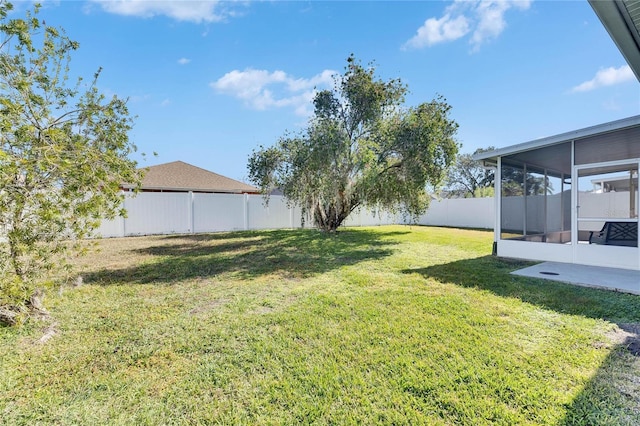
x=571 y=198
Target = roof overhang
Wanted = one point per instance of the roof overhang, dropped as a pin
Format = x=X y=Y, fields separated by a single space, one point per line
x=178 y=189
x=489 y=158
x=621 y=18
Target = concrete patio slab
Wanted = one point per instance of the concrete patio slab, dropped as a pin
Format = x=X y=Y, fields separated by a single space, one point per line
x=622 y=280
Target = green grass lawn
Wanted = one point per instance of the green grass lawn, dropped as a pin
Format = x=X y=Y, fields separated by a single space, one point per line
x=388 y=325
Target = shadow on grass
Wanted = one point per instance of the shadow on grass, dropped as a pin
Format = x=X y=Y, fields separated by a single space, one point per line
x=493 y=274
x=292 y=254
x=610 y=397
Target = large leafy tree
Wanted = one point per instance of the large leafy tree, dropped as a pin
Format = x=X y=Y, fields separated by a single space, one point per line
x=64 y=151
x=468 y=177
x=515 y=182
x=362 y=148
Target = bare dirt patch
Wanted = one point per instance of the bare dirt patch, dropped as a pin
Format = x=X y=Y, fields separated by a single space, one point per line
x=627 y=335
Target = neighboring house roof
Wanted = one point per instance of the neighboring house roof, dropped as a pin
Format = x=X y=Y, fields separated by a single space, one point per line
x=621 y=18
x=180 y=176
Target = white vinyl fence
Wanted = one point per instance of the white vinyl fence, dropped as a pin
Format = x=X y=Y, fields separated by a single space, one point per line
x=480 y=212
x=460 y=213
x=150 y=213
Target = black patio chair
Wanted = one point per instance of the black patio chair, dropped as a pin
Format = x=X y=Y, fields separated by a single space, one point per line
x=616 y=234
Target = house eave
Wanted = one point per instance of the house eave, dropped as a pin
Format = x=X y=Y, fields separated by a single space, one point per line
x=621 y=18
x=490 y=157
x=206 y=190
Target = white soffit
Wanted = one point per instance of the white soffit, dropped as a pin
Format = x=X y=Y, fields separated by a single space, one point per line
x=621 y=18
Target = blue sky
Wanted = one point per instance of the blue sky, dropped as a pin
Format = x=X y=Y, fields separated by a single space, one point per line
x=209 y=81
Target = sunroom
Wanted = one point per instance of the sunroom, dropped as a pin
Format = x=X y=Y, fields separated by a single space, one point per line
x=570 y=198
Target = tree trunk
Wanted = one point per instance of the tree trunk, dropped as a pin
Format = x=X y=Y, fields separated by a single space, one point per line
x=35 y=303
x=8 y=316
x=11 y=314
x=329 y=217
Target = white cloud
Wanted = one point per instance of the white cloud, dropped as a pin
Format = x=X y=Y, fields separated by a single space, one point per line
x=606 y=77
x=484 y=19
x=190 y=11
x=490 y=19
x=165 y=103
x=436 y=31
x=261 y=89
x=184 y=61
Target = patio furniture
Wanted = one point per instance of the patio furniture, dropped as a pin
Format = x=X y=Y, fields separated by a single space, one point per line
x=616 y=234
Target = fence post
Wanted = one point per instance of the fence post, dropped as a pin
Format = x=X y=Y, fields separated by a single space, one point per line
x=246 y=211
x=124 y=219
x=190 y=212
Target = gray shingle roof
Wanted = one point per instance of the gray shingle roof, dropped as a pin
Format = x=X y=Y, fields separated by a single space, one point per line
x=180 y=176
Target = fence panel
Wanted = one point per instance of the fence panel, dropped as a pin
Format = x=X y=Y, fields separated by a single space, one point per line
x=167 y=213
x=218 y=212
x=460 y=212
x=365 y=217
x=275 y=215
x=158 y=213
x=111 y=228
